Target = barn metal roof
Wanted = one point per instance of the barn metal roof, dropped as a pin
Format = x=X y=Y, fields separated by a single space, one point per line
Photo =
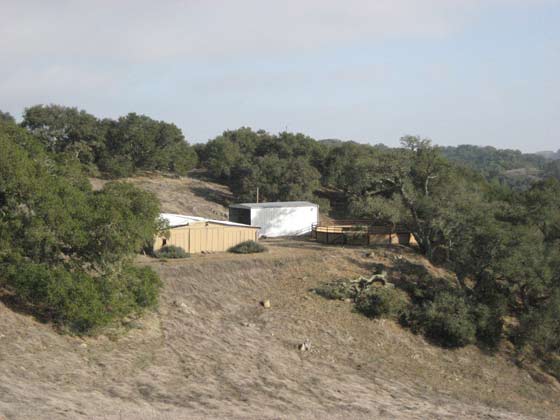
x=276 y=204
x=176 y=220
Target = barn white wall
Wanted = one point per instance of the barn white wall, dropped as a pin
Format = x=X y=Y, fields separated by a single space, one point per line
x=284 y=221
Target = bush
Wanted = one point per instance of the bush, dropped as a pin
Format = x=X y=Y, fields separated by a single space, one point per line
x=386 y=302
x=340 y=289
x=489 y=324
x=552 y=365
x=356 y=237
x=144 y=284
x=323 y=203
x=247 y=247
x=116 y=166
x=79 y=302
x=65 y=250
x=171 y=251
x=421 y=286
x=447 y=320
x=540 y=328
x=76 y=301
x=434 y=308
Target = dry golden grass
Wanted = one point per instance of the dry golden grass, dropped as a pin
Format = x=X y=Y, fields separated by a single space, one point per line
x=212 y=351
x=193 y=195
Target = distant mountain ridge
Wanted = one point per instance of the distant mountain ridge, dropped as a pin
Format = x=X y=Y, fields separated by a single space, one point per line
x=549 y=154
x=513 y=167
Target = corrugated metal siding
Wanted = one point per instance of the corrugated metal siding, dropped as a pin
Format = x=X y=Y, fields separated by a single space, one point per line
x=204 y=237
x=284 y=221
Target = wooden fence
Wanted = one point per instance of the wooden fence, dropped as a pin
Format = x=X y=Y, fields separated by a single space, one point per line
x=361 y=232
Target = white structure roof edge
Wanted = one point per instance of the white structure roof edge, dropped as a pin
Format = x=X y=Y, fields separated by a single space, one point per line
x=273 y=204
x=176 y=220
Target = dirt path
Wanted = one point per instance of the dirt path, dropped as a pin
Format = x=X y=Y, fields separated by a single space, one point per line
x=212 y=351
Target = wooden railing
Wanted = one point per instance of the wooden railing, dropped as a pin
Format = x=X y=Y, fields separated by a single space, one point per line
x=345 y=231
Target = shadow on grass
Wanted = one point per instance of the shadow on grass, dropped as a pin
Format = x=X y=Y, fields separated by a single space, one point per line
x=215 y=196
x=299 y=243
x=202 y=175
x=371 y=266
x=17 y=305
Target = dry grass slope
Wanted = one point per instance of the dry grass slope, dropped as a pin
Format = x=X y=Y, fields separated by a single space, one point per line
x=192 y=195
x=185 y=195
x=212 y=351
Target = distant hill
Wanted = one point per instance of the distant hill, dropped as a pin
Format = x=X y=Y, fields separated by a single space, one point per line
x=338 y=142
x=550 y=155
x=510 y=166
x=332 y=142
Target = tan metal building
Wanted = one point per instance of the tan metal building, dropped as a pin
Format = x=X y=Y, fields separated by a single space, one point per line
x=197 y=234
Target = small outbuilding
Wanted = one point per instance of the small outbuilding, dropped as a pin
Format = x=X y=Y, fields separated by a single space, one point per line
x=198 y=234
x=284 y=218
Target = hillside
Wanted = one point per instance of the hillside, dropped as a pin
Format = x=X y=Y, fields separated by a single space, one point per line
x=212 y=351
x=193 y=195
x=549 y=154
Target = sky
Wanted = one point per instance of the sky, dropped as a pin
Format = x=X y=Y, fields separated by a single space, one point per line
x=483 y=72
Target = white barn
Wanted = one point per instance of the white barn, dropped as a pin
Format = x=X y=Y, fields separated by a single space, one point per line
x=287 y=218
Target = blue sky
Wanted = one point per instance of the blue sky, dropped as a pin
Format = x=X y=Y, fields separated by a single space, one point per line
x=481 y=72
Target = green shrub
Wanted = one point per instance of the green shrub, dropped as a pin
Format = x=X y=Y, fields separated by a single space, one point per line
x=340 y=289
x=552 y=365
x=435 y=309
x=447 y=320
x=79 y=302
x=116 y=166
x=423 y=287
x=538 y=334
x=489 y=324
x=65 y=250
x=130 y=290
x=144 y=284
x=357 y=228
x=76 y=302
x=172 y=251
x=323 y=203
x=356 y=237
x=540 y=328
x=386 y=302
x=247 y=247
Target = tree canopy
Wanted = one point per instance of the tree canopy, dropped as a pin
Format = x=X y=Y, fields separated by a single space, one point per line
x=283 y=167
x=65 y=250
x=6 y=117
x=510 y=167
x=118 y=148
x=502 y=243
